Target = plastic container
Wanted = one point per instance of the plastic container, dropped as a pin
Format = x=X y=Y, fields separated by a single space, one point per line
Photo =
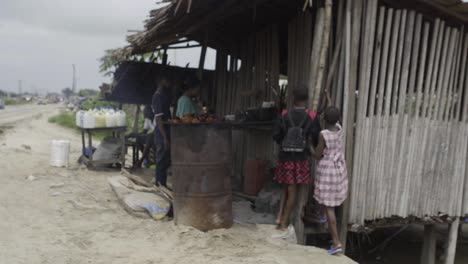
x=111 y=119
x=60 y=153
x=79 y=118
x=254 y=176
x=89 y=120
x=121 y=118
x=100 y=119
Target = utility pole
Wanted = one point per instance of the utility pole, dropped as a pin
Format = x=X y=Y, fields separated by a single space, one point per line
x=74 y=79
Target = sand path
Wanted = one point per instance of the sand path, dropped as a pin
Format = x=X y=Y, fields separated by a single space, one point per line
x=71 y=216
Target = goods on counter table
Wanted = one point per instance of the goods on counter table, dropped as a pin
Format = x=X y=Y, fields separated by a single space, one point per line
x=100 y=118
x=192 y=119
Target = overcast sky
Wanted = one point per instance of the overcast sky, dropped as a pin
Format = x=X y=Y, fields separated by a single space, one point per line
x=41 y=39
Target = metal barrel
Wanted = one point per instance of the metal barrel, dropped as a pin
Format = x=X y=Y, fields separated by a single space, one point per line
x=201 y=176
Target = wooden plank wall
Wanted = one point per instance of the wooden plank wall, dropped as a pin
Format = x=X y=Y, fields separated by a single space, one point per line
x=411 y=131
x=300 y=35
x=244 y=81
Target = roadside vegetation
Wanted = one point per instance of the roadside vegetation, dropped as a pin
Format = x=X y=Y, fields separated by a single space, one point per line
x=13 y=101
x=65 y=119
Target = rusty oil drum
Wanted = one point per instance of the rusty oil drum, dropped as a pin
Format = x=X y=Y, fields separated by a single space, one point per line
x=201 y=175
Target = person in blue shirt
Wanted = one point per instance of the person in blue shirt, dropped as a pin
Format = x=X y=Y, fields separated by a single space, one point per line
x=161 y=104
x=185 y=104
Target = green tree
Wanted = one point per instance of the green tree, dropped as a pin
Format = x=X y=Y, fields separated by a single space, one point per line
x=113 y=57
x=67 y=92
x=88 y=93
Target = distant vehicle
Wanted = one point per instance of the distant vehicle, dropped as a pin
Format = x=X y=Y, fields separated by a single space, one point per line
x=41 y=102
x=2 y=104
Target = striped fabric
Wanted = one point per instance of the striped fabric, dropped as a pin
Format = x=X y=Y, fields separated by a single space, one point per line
x=331 y=181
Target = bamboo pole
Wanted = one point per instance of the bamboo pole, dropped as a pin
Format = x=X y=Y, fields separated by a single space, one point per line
x=350 y=110
x=452 y=242
x=401 y=201
x=461 y=79
x=428 y=81
x=381 y=87
x=427 y=136
x=316 y=49
x=323 y=54
x=371 y=112
x=437 y=160
x=418 y=117
x=401 y=39
x=360 y=149
x=387 y=150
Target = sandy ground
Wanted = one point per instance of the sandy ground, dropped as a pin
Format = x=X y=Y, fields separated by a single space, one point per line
x=72 y=216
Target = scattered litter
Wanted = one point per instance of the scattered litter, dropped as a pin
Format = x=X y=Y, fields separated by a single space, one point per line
x=31 y=178
x=141 y=204
x=56 y=185
x=55 y=194
x=27 y=147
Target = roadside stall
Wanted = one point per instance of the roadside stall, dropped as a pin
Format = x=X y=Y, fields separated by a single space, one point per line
x=107 y=121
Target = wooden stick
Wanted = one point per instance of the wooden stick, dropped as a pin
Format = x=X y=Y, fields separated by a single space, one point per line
x=350 y=111
x=371 y=112
x=323 y=54
x=452 y=242
x=402 y=180
x=401 y=39
x=316 y=49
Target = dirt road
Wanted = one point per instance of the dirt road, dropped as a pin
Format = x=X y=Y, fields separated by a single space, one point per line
x=14 y=114
x=55 y=215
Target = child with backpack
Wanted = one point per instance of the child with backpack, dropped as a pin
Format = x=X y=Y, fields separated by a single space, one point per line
x=331 y=179
x=291 y=132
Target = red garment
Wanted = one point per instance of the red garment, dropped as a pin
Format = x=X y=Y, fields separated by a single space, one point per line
x=312 y=114
x=293 y=172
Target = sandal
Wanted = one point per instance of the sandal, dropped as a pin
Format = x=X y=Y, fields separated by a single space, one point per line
x=334 y=250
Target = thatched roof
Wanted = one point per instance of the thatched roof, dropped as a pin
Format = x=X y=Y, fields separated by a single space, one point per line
x=221 y=21
x=224 y=21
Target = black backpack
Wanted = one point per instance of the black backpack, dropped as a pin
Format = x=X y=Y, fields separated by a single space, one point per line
x=295 y=139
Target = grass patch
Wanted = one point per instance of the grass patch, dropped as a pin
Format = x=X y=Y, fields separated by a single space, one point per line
x=10 y=101
x=65 y=119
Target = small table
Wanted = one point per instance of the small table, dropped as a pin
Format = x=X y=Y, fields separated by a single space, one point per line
x=117 y=132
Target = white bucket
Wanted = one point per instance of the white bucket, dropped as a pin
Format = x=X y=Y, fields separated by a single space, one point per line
x=60 y=153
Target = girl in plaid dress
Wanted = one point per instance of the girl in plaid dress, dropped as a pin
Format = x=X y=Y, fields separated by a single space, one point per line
x=292 y=168
x=331 y=182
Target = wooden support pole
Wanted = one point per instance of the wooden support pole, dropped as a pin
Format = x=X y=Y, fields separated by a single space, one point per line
x=353 y=39
x=201 y=63
x=316 y=48
x=164 y=56
x=452 y=242
x=429 y=245
x=323 y=55
x=137 y=117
